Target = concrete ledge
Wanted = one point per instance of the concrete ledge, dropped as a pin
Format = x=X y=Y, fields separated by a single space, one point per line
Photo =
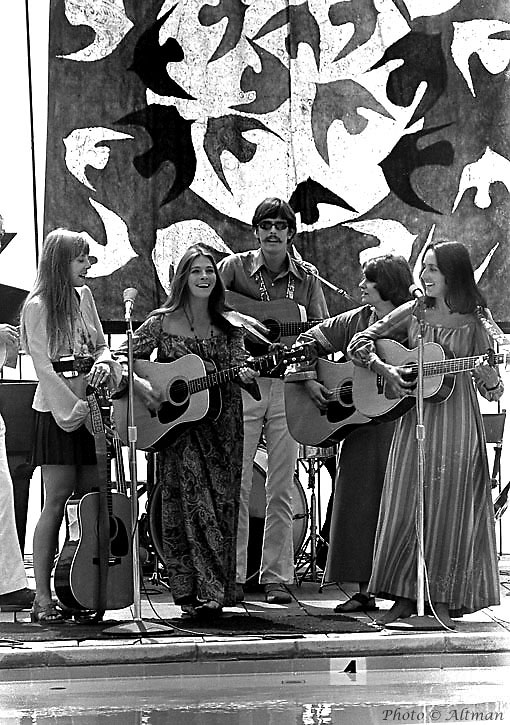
x=198 y=651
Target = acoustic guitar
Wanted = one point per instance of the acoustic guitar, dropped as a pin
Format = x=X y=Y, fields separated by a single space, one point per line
x=94 y=569
x=313 y=427
x=284 y=318
x=373 y=398
x=189 y=391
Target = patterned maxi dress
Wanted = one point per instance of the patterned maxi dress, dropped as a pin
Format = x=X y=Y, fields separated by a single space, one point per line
x=200 y=474
x=459 y=532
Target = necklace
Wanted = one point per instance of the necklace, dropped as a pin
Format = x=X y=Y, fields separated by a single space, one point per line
x=191 y=323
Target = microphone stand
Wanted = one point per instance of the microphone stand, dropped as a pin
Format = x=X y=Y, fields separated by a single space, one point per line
x=420 y=621
x=339 y=291
x=138 y=626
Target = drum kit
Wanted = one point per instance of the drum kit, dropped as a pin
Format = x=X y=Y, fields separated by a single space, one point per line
x=305 y=515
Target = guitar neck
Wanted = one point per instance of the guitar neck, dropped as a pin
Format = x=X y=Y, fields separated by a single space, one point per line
x=220 y=377
x=262 y=364
x=98 y=430
x=290 y=329
x=460 y=364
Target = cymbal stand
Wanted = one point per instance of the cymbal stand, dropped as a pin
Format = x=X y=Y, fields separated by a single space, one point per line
x=305 y=557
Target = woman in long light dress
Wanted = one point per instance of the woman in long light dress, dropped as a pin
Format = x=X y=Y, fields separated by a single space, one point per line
x=459 y=535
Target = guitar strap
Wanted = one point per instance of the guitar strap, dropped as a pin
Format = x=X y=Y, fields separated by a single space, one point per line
x=264 y=294
x=492 y=328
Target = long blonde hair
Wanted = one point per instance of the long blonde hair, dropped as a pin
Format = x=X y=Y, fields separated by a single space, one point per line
x=54 y=286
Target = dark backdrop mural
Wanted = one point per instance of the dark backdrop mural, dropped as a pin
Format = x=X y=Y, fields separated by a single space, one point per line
x=383 y=122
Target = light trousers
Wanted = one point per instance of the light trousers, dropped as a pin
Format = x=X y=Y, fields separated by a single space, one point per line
x=12 y=569
x=268 y=416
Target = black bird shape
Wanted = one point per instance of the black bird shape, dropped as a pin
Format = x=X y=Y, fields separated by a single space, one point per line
x=309 y=194
x=234 y=12
x=150 y=60
x=172 y=143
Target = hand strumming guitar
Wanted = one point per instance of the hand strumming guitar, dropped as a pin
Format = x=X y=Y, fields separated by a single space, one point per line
x=318 y=393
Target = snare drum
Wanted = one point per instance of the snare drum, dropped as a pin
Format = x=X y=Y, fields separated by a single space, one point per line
x=307 y=452
x=257 y=515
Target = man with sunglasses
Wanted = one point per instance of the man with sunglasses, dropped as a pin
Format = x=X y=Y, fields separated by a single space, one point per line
x=267 y=273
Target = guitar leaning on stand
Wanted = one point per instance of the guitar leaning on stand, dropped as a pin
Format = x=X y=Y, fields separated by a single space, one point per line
x=94 y=570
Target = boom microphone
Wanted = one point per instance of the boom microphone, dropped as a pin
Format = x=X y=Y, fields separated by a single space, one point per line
x=129 y=296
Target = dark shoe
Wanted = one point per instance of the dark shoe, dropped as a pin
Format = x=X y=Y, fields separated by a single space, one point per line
x=239 y=595
x=16 y=601
x=46 y=613
x=357 y=603
x=208 y=610
x=276 y=593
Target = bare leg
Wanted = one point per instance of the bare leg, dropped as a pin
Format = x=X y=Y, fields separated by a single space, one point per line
x=400 y=610
x=59 y=482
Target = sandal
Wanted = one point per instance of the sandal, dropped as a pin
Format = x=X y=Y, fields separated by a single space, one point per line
x=357 y=603
x=46 y=613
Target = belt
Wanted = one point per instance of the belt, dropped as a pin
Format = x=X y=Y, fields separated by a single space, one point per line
x=77 y=365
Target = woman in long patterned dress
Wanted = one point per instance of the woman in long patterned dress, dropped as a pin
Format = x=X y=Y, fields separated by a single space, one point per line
x=200 y=469
x=459 y=536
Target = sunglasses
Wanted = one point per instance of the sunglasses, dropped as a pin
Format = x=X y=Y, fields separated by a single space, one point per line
x=267 y=225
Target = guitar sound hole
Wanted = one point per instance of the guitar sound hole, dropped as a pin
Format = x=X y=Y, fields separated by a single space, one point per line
x=274 y=330
x=178 y=392
x=346 y=395
x=410 y=375
x=119 y=538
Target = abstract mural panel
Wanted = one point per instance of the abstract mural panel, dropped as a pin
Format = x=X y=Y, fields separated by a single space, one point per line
x=383 y=122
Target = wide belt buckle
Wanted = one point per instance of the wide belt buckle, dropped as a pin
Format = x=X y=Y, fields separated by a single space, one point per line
x=69 y=373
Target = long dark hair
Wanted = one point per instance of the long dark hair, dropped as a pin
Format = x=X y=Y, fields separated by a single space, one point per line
x=392 y=276
x=454 y=262
x=54 y=286
x=179 y=290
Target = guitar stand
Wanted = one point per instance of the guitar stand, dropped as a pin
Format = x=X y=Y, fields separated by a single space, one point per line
x=308 y=554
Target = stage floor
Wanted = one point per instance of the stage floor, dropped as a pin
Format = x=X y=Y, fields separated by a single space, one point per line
x=253 y=630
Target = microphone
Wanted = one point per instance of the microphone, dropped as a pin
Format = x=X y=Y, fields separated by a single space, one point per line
x=129 y=296
x=415 y=291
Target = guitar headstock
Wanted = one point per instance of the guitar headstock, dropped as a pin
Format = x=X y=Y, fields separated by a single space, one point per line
x=300 y=354
x=99 y=401
x=281 y=355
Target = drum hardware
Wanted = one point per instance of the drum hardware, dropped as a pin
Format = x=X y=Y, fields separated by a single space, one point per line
x=313 y=459
x=152 y=521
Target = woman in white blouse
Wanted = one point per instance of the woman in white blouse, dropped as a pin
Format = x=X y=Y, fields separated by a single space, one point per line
x=60 y=321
